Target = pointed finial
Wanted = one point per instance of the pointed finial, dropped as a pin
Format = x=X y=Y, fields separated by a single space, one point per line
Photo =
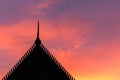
x=37 y=41
x=38 y=30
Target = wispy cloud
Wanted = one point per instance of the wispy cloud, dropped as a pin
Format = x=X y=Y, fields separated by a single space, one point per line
x=83 y=34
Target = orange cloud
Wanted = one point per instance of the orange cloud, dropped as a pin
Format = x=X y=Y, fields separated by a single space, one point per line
x=24 y=34
x=101 y=62
x=96 y=61
x=84 y=38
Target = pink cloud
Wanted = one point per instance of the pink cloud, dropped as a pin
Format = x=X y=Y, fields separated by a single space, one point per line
x=84 y=38
x=24 y=34
x=37 y=9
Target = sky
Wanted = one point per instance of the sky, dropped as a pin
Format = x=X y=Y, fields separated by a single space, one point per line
x=83 y=35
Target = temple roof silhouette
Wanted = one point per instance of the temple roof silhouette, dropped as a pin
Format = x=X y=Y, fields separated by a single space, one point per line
x=38 y=64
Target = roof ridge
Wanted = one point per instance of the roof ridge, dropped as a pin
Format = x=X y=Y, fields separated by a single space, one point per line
x=18 y=62
x=57 y=62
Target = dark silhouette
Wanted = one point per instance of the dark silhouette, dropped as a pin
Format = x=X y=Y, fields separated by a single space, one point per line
x=38 y=64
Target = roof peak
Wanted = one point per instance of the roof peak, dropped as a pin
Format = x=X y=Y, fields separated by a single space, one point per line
x=37 y=41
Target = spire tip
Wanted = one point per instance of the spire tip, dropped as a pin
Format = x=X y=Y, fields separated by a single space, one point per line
x=37 y=41
x=38 y=30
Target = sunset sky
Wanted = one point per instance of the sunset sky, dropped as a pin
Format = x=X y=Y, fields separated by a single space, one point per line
x=84 y=35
